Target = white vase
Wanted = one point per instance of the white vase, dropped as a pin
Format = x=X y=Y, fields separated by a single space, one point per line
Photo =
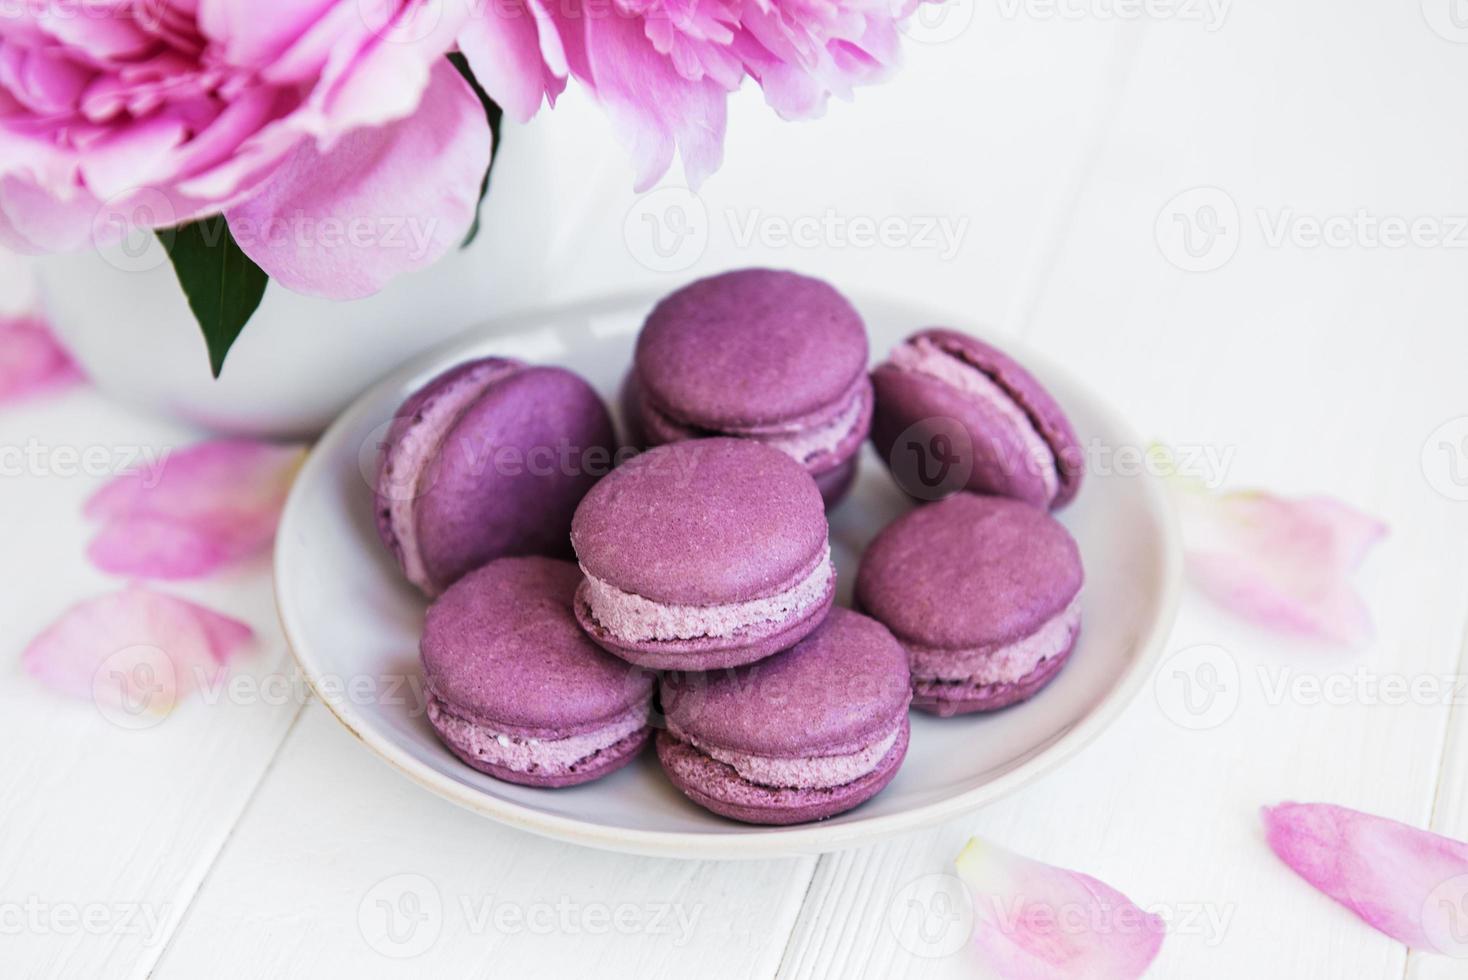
x=300 y=359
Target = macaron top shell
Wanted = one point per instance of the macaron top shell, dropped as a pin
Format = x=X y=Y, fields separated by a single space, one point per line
x=702 y=522
x=501 y=647
x=1043 y=411
x=969 y=571
x=511 y=470
x=749 y=348
x=833 y=692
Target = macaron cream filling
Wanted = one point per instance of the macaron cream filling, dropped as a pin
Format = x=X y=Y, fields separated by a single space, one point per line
x=409 y=460
x=806 y=772
x=981 y=666
x=519 y=753
x=922 y=356
x=806 y=444
x=632 y=618
x=803 y=439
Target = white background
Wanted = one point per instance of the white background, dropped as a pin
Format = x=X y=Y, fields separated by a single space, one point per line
x=257 y=840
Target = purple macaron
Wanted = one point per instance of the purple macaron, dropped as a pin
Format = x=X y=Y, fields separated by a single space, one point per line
x=488 y=459
x=953 y=413
x=759 y=354
x=984 y=592
x=808 y=733
x=515 y=688
x=702 y=554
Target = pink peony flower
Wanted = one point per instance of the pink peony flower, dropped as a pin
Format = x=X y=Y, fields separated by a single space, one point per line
x=664 y=68
x=338 y=141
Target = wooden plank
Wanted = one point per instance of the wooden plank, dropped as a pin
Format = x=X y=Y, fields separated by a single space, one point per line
x=341 y=867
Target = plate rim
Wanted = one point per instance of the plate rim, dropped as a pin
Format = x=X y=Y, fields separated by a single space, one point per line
x=741 y=842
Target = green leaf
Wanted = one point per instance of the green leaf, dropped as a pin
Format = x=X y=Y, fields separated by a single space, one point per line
x=222 y=283
x=493 y=114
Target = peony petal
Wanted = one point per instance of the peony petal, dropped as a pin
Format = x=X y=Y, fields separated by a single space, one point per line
x=130 y=158
x=503 y=48
x=136 y=650
x=158 y=547
x=1037 y=922
x=1408 y=883
x=257 y=32
x=655 y=108
x=1284 y=563
x=31 y=360
x=389 y=75
x=191 y=512
x=37 y=222
x=384 y=201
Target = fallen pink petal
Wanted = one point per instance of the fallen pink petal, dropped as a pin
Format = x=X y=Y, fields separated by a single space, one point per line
x=1408 y=883
x=1033 y=921
x=31 y=359
x=192 y=511
x=1283 y=563
x=135 y=649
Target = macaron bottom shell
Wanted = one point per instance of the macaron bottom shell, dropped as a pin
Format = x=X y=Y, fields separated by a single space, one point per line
x=466 y=740
x=828 y=448
x=717 y=787
x=948 y=698
x=836 y=482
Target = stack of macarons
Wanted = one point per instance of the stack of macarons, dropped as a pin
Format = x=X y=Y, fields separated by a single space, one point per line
x=698 y=612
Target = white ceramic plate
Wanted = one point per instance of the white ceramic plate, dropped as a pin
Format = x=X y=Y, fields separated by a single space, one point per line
x=353 y=623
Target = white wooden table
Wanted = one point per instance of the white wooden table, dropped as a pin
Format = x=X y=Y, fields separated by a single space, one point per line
x=253 y=838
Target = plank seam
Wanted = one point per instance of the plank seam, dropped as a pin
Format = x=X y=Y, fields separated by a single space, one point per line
x=213 y=862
